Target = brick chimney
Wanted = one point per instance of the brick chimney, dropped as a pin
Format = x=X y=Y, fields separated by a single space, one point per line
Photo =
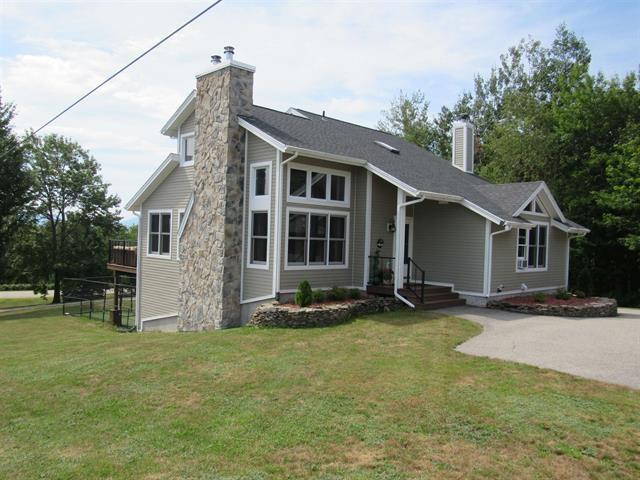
x=211 y=244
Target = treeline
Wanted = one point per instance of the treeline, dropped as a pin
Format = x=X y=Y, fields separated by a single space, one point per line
x=541 y=115
x=56 y=213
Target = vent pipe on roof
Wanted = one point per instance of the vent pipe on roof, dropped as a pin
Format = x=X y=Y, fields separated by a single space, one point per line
x=228 y=53
x=462 y=145
x=216 y=59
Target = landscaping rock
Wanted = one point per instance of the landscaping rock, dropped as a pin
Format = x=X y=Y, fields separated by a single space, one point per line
x=598 y=307
x=275 y=314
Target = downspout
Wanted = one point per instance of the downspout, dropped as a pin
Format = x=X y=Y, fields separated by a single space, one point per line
x=138 y=269
x=400 y=220
x=278 y=243
x=507 y=228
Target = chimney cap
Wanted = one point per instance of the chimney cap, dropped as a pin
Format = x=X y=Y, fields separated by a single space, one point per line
x=215 y=59
x=229 y=49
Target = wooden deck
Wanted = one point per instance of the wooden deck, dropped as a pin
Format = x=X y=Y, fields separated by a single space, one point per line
x=435 y=296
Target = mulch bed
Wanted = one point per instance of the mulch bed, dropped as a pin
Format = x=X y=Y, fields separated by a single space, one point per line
x=550 y=300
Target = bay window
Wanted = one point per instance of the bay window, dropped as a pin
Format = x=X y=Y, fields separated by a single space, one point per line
x=532 y=248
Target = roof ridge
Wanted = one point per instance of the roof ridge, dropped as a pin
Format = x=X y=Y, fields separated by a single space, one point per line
x=357 y=125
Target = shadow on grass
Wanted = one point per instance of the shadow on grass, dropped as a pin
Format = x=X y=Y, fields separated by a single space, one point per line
x=31 y=313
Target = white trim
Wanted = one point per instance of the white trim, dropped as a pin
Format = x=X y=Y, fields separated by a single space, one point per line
x=524 y=292
x=329 y=172
x=187 y=212
x=257 y=299
x=138 y=270
x=250 y=263
x=180 y=222
x=259 y=201
x=407 y=221
x=398 y=248
x=325 y=156
x=327 y=266
x=546 y=248
x=262 y=135
x=156 y=178
x=542 y=188
x=566 y=272
x=296 y=113
x=481 y=211
x=160 y=212
x=565 y=228
x=258 y=204
x=392 y=180
x=367 y=229
x=243 y=243
x=181 y=150
x=278 y=224
x=489 y=272
x=358 y=287
x=185 y=109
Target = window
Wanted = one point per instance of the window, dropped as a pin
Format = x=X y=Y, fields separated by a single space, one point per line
x=260 y=181
x=159 y=234
x=309 y=184
x=187 y=146
x=534 y=207
x=532 y=248
x=317 y=239
x=259 y=237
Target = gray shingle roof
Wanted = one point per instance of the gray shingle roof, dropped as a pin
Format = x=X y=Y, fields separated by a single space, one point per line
x=412 y=165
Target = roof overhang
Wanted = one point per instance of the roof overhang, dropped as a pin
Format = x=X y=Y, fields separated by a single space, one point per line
x=569 y=229
x=161 y=173
x=188 y=106
x=543 y=188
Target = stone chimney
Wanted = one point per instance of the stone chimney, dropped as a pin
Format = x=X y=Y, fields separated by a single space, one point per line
x=463 y=144
x=211 y=245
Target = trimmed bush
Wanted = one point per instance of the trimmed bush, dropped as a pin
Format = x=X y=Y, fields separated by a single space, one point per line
x=337 y=294
x=539 y=297
x=318 y=296
x=304 y=295
x=562 y=294
x=354 y=293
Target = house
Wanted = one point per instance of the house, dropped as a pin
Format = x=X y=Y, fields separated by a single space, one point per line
x=256 y=200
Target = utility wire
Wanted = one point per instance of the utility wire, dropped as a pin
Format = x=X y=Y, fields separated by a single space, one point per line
x=156 y=45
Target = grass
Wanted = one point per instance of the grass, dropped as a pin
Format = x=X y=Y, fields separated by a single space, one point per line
x=381 y=397
x=23 y=302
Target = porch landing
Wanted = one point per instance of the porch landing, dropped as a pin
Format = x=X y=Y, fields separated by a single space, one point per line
x=435 y=296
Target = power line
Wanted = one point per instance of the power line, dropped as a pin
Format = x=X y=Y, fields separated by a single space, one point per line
x=50 y=121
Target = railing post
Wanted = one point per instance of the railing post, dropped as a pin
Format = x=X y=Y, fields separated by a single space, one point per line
x=422 y=289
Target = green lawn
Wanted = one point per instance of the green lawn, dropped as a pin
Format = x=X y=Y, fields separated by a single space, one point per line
x=22 y=302
x=382 y=397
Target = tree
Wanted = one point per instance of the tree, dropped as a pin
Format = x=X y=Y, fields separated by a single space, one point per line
x=75 y=213
x=14 y=184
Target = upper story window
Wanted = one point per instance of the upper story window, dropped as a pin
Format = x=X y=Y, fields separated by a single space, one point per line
x=187 y=147
x=532 y=248
x=260 y=180
x=308 y=184
x=535 y=207
x=159 y=233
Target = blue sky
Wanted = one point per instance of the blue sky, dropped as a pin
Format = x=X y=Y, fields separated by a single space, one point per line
x=348 y=58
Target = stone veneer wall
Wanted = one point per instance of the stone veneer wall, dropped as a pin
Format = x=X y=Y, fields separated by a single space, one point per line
x=598 y=307
x=211 y=245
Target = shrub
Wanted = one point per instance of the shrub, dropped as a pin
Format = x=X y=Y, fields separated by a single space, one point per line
x=354 y=293
x=562 y=294
x=304 y=295
x=539 y=297
x=318 y=296
x=580 y=294
x=337 y=294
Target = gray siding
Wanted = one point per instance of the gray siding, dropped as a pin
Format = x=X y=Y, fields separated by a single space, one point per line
x=503 y=270
x=189 y=125
x=159 y=276
x=448 y=243
x=258 y=282
x=326 y=278
x=383 y=210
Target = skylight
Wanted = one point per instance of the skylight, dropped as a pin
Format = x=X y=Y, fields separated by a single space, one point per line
x=387 y=146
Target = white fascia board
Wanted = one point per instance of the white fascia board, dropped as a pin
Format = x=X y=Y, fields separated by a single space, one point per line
x=165 y=168
x=262 y=135
x=568 y=229
x=187 y=211
x=305 y=152
x=542 y=188
x=441 y=197
x=180 y=115
x=393 y=180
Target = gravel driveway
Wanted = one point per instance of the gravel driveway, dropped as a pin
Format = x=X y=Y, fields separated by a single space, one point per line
x=606 y=349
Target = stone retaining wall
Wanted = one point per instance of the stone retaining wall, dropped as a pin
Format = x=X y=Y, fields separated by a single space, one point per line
x=600 y=307
x=276 y=315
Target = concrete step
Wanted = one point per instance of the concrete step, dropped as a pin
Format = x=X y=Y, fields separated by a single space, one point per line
x=428 y=296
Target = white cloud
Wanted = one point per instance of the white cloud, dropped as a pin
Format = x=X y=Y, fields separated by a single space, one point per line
x=348 y=58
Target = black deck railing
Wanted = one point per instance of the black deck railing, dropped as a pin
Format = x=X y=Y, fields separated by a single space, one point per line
x=380 y=270
x=123 y=252
x=415 y=279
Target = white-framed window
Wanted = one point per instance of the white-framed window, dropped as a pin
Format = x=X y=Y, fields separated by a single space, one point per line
x=159 y=241
x=259 y=245
x=316 y=239
x=259 y=215
x=187 y=148
x=532 y=248
x=318 y=185
x=535 y=208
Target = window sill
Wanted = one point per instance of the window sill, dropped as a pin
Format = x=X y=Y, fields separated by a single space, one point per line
x=258 y=266
x=317 y=201
x=317 y=267
x=531 y=270
x=157 y=255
